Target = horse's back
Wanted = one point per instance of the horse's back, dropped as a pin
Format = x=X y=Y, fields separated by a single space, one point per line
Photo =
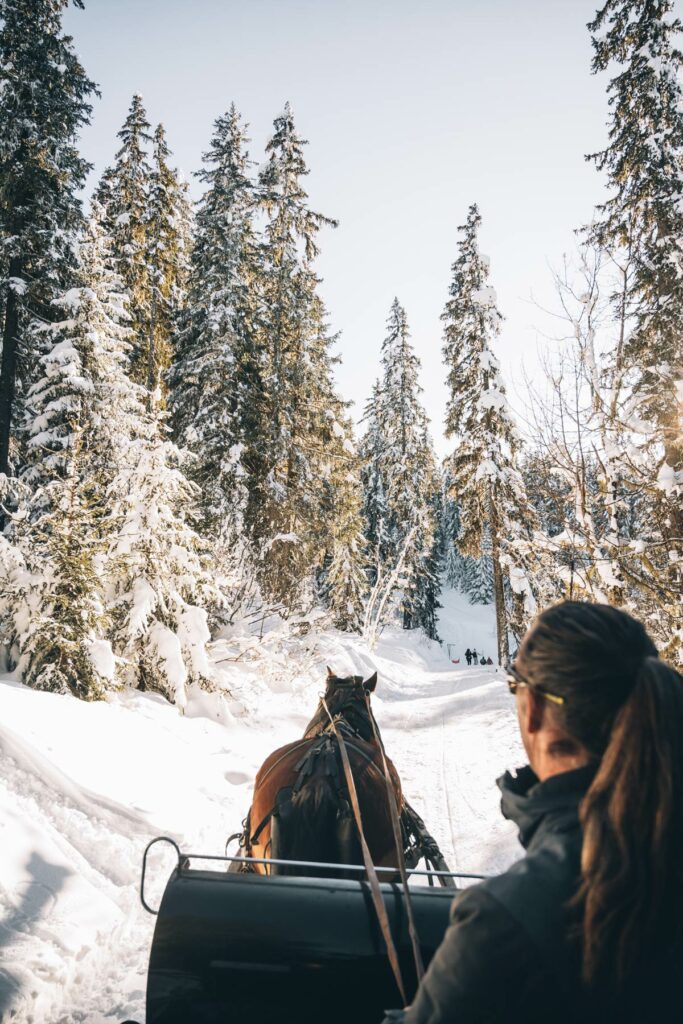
x=282 y=755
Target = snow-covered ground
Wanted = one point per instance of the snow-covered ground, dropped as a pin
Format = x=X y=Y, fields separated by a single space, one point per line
x=83 y=787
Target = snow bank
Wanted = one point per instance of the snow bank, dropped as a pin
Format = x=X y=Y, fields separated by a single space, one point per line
x=85 y=786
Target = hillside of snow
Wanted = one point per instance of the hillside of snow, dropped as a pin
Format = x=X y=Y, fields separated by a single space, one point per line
x=84 y=787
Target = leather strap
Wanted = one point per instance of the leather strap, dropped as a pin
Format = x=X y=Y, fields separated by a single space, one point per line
x=375 y=890
x=398 y=840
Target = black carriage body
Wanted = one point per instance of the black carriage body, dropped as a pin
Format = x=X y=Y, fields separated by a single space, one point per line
x=250 y=949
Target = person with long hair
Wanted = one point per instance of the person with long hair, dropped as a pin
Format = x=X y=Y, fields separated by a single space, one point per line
x=588 y=925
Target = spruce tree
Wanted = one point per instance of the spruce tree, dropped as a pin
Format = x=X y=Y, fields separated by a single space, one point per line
x=643 y=218
x=375 y=514
x=110 y=508
x=645 y=210
x=156 y=578
x=345 y=581
x=168 y=236
x=124 y=196
x=215 y=381
x=290 y=434
x=58 y=531
x=44 y=102
x=428 y=582
x=409 y=472
x=64 y=648
x=478 y=579
x=158 y=574
x=483 y=467
x=82 y=414
x=448 y=532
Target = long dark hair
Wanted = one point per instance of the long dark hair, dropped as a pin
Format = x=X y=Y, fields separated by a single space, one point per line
x=625 y=706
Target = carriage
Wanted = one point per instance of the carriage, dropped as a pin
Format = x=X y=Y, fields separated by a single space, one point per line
x=231 y=946
x=342 y=934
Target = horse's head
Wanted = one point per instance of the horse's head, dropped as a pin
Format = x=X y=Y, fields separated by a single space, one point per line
x=347 y=696
x=343 y=691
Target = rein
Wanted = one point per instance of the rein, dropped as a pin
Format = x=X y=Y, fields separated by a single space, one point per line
x=375 y=890
x=398 y=840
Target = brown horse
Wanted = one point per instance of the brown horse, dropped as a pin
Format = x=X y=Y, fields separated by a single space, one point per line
x=300 y=808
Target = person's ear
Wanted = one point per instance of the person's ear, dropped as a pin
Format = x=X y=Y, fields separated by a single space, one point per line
x=534 y=710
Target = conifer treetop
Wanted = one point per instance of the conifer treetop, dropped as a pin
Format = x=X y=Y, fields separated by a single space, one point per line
x=283 y=195
x=44 y=101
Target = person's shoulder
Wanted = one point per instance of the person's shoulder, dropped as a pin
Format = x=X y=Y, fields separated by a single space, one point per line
x=550 y=872
x=534 y=893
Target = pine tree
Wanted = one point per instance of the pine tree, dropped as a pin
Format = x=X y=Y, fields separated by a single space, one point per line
x=58 y=530
x=168 y=221
x=215 y=380
x=642 y=220
x=375 y=515
x=448 y=532
x=64 y=648
x=107 y=496
x=290 y=433
x=345 y=578
x=478 y=578
x=645 y=211
x=428 y=582
x=485 y=478
x=44 y=102
x=158 y=574
x=124 y=195
x=81 y=416
x=409 y=471
x=157 y=581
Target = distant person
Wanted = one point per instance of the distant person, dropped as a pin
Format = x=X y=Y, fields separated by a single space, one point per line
x=475 y=657
x=489 y=662
x=588 y=926
x=468 y=655
x=482 y=659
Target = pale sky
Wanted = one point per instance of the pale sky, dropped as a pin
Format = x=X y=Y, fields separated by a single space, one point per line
x=413 y=111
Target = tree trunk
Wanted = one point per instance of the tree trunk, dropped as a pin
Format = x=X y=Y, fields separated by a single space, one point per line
x=498 y=590
x=8 y=367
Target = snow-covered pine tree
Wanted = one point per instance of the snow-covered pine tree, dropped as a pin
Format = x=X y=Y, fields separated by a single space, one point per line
x=44 y=102
x=123 y=502
x=59 y=530
x=371 y=453
x=409 y=470
x=477 y=578
x=64 y=648
x=485 y=477
x=448 y=531
x=345 y=581
x=428 y=582
x=643 y=217
x=168 y=217
x=547 y=490
x=159 y=579
x=124 y=196
x=215 y=381
x=290 y=435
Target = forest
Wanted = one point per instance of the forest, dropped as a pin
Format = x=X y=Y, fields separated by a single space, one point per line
x=177 y=460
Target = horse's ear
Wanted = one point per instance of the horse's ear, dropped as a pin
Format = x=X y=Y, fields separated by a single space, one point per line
x=330 y=673
x=371 y=683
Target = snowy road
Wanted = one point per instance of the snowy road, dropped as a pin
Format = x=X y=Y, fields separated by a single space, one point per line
x=83 y=787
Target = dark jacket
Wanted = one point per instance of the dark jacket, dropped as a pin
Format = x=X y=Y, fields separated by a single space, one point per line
x=507 y=955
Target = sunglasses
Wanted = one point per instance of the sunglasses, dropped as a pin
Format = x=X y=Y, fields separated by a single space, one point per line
x=515 y=680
